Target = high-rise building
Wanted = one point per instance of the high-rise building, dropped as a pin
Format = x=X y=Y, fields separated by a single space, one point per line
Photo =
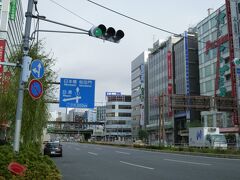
x=160 y=83
x=218 y=45
x=138 y=87
x=11 y=28
x=186 y=78
x=118 y=116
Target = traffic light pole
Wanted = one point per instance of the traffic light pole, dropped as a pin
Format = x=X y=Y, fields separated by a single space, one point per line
x=26 y=60
x=23 y=80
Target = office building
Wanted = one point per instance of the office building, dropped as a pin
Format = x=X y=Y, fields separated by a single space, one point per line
x=11 y=28
x=139 y=98
x=186 y=82
x=118 y=116
x=218 y=45
x=160 y=83
x=101 y=113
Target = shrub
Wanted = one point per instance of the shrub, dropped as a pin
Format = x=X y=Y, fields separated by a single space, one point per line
x=38 y=166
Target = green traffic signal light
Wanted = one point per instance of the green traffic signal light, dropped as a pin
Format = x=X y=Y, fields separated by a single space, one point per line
x=98 y=32
x=108 y=34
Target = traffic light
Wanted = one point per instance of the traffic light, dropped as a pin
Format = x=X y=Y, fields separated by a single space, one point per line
x=108 y=34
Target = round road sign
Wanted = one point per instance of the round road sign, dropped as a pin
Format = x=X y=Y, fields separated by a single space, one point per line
x=35 y=89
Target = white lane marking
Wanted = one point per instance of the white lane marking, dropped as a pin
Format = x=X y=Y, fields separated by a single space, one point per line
x=184 y=155
x=121 y=152
x=136 y=165
x=95 y=154
x=187 y=162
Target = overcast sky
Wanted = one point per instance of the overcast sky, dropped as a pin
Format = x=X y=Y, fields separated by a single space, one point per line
x=109 y=64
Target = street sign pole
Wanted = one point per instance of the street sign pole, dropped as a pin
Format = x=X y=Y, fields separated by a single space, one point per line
x=23 y=78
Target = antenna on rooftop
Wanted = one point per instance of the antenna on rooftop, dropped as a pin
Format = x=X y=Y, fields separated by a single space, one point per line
x=209 y=11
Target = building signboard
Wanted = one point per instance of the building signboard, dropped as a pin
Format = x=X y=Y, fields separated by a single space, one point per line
x=113 y=94
x=170 y=88
x=2 y=52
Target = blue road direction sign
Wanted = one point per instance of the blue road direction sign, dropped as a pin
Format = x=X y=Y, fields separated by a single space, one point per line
x=37 y=69
x=35 y=89
x=77 y=93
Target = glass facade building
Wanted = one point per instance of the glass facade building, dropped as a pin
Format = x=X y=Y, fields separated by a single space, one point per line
x=160 y=83
x=186 y=82
x=138 y=88
x=212 y=29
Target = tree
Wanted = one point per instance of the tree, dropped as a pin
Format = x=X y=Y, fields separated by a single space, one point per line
x=35 y=112
x=142 y=134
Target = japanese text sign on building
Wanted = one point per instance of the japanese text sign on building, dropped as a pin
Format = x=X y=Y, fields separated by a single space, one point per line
x=2 y=52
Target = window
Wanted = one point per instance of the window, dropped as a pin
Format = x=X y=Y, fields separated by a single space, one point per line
x=205 y=27
x=214 y=68
x=110 y=115
x=124 y=114
x=213 y=22
x=224 y=48
x=201 y=73
x=214 y=53
x=124 y=107
x=110 y=107
x=208 y=71
x=209 y=86
x=201 y=88
x=201 y=58
x=226 y=60
x=228 y=77
x=210 y=120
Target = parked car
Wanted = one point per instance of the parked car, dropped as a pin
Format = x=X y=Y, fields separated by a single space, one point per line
x=53 y=149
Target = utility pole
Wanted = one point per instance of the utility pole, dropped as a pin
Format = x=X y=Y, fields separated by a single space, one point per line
x=26 y=60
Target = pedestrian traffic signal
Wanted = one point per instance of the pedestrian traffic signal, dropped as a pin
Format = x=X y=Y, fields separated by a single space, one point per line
x=108 y=34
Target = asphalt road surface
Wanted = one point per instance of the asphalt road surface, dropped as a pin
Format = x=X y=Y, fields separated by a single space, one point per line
x=97 y=162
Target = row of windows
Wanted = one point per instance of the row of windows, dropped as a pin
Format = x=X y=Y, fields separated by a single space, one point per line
x=118 y=115
x=210 y=69
x=211 y=24
x=212 y=53
x=109 y=122
x=208 y=86
x=119 y=107
x=120 y=130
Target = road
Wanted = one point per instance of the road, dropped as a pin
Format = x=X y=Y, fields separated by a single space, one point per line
x=97 y=162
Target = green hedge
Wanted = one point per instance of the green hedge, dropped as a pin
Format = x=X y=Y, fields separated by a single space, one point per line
x=38 y=166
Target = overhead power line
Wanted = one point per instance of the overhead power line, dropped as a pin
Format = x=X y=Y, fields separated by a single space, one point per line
x=75 y=14
x=141 y=22
x=144 y=23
